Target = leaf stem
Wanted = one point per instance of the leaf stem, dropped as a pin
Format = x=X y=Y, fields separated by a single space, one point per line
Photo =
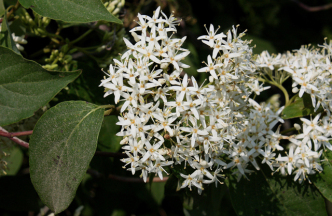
x=107 y=106
x=82 y=36
x=279 y=86
x=14 y=8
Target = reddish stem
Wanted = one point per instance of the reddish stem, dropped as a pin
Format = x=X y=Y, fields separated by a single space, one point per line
x=11 y=135
x=15 y=139
x=313 y=9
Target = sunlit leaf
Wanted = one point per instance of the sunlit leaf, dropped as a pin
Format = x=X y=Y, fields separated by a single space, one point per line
x=71 y=10
x=61 y=147
x=299 y=107
x=25 y=86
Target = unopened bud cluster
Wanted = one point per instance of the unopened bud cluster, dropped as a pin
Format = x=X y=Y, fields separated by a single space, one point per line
x=168 y=119
x=114 y=6
x=4 y=147
x=61 y=59
x=36 y=25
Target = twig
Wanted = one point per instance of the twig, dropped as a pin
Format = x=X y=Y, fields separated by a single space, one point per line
x=16 y=140
x=17 y=5
x=124 y=179
x=313 y=9
x=11 y=135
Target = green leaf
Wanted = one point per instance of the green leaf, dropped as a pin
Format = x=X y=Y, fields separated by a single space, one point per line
x=2 y=8
x=208 y=203
x=79 y=11
x=14 y=160
x=108 y=140
x=6 y=38
x=86 y=87
x=299 y=108
x=25 y=86
x=265 y=194
x=18 y=27
x=61 y=147
x=323 y=180
x=157 y=191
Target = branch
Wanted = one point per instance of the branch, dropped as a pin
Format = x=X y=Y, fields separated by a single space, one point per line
x=15 y=139
x=124 y=179
x=24 y=144
x=313 y=9
x=11 y=135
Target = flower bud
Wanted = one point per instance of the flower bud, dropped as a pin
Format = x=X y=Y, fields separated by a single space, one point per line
x=297 y=126
x=162 y=151
x=295 y=90
x=124 y=141
x=164 y=65
x=161 y=81
x=210 y=78
x=202 y=162
x=136 y=38
x=116 y=11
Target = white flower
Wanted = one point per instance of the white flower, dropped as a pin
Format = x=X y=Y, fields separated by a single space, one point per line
x=211 y=35
x=211 y=67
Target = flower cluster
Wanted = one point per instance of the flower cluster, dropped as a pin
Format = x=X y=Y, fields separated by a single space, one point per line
x=310 y=70
x=168 y=119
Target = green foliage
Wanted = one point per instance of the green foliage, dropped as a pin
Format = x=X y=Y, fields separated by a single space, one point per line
x=71 y=10
x=65 y=138
x=14 y=160
x=2 y=8
x=323 y=181
x=265 y=194
x=61 y=148
x=108 y=141
x=299 y=108
x=208 y=203
x=85 y=87
x=25 y=86
x=157 y=191
x=6 y=39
